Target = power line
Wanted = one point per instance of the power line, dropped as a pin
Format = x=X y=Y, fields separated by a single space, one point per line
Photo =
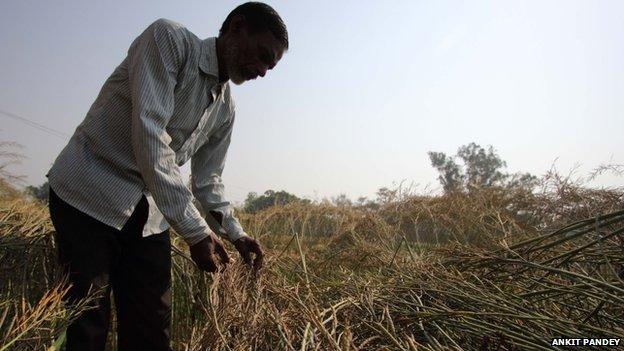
x=36 y=125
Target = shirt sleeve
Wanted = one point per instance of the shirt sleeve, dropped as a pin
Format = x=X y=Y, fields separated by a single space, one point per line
x=206 y=169
x=154 y=59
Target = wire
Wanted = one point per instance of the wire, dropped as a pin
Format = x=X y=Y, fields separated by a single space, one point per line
x=36 y=125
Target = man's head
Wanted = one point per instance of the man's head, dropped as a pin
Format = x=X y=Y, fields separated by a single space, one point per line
x=251 y=41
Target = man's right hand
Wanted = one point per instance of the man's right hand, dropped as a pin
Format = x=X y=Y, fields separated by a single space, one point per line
x=203 y=253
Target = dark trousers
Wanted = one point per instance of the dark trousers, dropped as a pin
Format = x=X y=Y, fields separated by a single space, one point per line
x=137 y=269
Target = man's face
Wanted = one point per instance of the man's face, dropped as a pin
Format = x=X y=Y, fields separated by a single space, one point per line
x=248 y=56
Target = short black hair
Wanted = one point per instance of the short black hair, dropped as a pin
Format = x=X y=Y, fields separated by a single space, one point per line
x=259 y=17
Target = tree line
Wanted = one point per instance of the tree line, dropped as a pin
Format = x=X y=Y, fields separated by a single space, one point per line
x=472 y=167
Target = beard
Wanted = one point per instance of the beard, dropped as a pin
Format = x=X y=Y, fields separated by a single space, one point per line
x=235 y=69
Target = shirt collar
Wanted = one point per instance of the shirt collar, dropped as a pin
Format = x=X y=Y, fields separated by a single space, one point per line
x=208 y=59
x=209 y=63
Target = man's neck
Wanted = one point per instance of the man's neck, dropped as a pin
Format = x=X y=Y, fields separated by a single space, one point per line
x=223 y=76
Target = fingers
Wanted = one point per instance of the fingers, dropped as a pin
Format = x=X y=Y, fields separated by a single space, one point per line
x=223 y=255
x=208 y=263
x=246 y=254
x=242 y=245
x=255 y=247
x=246 y=246
x=205 y=252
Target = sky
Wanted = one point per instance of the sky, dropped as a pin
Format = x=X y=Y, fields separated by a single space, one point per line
x=365 y=90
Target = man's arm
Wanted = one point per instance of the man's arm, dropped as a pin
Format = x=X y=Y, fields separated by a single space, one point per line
x=154 y=59
x=206 y=169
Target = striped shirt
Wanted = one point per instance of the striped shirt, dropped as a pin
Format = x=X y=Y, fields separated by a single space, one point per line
x=162 y=106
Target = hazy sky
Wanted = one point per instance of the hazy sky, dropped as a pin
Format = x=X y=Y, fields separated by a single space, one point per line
x=366 y=89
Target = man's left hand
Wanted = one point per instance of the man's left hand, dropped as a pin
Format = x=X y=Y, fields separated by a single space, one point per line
x=246 y=246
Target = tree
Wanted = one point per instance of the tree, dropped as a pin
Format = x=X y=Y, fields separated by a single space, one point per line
x=342 y=200
x=451 y=177
x=480 y=168
x=255 y=203
x=362 y=200
x=8 y=158
x=41 y=192
x=385 y=195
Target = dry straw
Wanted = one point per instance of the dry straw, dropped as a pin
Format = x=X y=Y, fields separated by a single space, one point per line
x=493 y=269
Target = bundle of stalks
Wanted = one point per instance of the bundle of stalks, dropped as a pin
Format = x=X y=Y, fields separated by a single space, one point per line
x=239 y=310
x=28 y=251
x=465 y=295
x=41 y=324
x=567 y=283
x=32 y=311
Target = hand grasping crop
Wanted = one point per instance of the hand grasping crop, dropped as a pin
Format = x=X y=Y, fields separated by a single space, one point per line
x=203 y=253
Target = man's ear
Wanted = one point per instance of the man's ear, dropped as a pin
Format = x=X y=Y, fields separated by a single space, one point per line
x=237 y=24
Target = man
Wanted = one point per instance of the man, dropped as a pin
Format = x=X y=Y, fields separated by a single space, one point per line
x=116 y=187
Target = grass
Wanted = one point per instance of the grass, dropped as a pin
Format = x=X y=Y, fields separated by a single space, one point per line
x=493 y=269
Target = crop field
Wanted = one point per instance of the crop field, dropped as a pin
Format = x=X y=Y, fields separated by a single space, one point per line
x=489 y=269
